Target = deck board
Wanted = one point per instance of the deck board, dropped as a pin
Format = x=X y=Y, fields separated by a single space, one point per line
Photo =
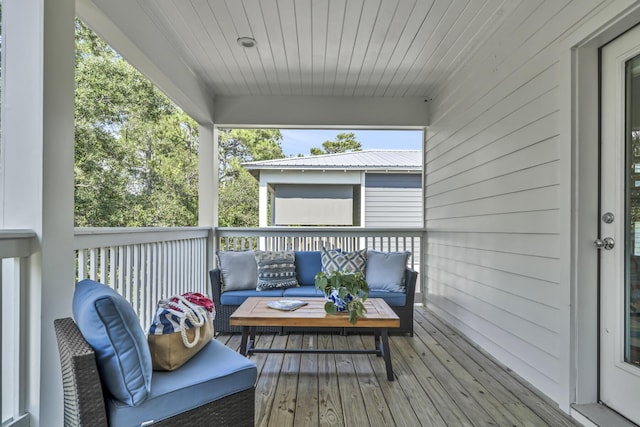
x=330 y=405
x=441 y=379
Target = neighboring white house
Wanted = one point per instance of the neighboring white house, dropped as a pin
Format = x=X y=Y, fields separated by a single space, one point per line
x=371 y=188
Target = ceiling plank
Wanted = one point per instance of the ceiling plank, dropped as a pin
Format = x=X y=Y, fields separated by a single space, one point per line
x=352 y=19
x=286 y=10
x=335 y=24
x=379 y=39
x=453 y=22
x=368 y=18
x=304 y=25
x=238 y=17
x=319 y=25
x=414 y=22
x=269 y=10
x=257 y=25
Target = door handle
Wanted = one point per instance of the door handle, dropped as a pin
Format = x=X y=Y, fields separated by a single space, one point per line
x=607 y=243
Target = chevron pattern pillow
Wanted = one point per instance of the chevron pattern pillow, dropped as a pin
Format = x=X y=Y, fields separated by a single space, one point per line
x=276 y=269
x=344 y=262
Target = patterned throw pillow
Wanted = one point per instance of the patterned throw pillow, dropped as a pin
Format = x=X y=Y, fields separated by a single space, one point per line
x=276 y=270
x=344 y=262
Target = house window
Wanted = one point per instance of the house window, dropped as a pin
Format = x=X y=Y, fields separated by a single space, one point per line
x=296 y=204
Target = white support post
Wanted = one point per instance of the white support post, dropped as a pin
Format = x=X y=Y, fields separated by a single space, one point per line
x=208 y=184
x=263 y=203
x=36 y=181
x=208 y=176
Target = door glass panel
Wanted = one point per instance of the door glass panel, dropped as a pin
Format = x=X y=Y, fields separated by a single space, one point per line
x=632 y=282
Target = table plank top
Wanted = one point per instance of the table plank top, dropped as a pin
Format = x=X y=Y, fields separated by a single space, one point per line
x=255 y=312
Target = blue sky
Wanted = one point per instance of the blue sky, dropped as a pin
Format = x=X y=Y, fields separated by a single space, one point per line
x=295 y=141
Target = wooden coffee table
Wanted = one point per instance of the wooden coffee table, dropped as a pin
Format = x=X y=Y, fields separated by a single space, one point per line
x=254 y=312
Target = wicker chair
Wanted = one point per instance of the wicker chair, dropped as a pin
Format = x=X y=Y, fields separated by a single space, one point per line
x=84 y=401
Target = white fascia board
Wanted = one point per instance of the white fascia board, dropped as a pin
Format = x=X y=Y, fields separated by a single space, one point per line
x=310 y=177
x=125 y=26
x=322 y=111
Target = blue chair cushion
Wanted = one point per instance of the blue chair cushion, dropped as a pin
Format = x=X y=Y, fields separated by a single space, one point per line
x=214 y=373
x=308 y=264
x=109 y=324
x=392 y=298
x=303 y=291
x=238 y=297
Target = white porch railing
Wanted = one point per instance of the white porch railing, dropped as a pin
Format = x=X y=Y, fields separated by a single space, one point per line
x=145 y=264
x=15 y=250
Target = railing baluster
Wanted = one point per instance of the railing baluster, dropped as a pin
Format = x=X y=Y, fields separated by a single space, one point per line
x=82 y=264
x=93 y=263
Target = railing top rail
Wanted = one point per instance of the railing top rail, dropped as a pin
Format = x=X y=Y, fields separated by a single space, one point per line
x=111 y=236
x=17 y=234
x=318 y=231
x=16 y=243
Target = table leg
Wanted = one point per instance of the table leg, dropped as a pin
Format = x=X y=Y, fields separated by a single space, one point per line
x=243 y=341
x=252 y=339
x=376 y=343
x=386 y=353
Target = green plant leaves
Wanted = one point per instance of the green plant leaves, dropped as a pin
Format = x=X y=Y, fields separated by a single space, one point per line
x=330 y=308
x=345 y=283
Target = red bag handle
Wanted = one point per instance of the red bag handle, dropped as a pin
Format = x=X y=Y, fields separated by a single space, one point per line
x=198 y=299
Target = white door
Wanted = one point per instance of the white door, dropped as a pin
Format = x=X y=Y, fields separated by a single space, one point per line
x=620 y=226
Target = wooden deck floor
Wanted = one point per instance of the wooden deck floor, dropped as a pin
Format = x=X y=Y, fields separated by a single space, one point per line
x=440 y=380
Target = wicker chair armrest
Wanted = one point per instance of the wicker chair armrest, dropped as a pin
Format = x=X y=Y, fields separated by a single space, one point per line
x=410 y=279
x=216 y=285
x=83 y=396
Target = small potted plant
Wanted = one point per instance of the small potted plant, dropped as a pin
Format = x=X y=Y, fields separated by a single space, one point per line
x=345 y=293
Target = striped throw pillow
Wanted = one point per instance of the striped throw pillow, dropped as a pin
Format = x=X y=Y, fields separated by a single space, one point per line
x=276 y=269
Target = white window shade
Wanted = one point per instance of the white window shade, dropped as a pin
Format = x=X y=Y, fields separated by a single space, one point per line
x=297 y=204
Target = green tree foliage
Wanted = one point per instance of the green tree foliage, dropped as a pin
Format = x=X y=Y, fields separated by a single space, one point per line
x=238 y=190
x=344 y=142
x=135 y=152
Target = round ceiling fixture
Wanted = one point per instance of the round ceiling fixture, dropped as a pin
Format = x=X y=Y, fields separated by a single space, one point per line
x=247 y=42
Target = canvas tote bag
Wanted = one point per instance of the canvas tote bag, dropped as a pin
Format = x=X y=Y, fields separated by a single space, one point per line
x=181 y=327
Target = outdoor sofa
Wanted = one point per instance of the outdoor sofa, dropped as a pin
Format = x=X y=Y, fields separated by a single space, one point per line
x=307 y=265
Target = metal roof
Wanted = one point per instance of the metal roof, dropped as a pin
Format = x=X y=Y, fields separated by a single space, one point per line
x=359 y=160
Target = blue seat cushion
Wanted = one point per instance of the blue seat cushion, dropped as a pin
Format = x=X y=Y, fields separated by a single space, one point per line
x=110 y=326
x=303 y=291
x=238 y=297
x=308 y=264
x=214 y=373
x=391 y=298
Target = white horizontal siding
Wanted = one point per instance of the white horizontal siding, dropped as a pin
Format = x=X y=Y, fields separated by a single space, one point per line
x=493 y=195
x=393 y=207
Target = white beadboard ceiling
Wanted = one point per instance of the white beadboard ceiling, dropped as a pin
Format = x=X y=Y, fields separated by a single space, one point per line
x=312 y=48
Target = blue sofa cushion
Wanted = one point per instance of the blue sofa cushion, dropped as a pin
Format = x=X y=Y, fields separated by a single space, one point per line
x=214 y=373
x=385 y=270
x=239 y=270
x=308 y=264
x=303 y=291
x=238 y=297
x=394 y=299
x=109 y=324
